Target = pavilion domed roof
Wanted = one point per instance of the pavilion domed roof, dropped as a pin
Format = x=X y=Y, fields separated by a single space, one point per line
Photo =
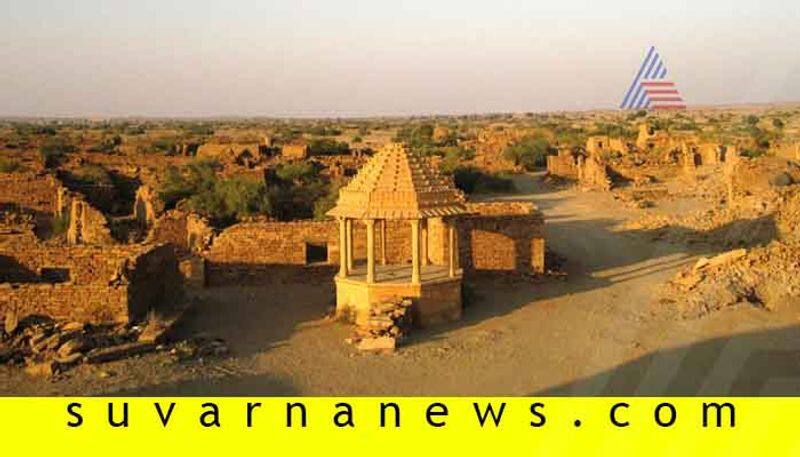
x=397 y=183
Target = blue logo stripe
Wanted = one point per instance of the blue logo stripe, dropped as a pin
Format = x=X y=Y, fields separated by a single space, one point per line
x=657 y=71
x=638 y=76
x=652 y=64
x=637 y=93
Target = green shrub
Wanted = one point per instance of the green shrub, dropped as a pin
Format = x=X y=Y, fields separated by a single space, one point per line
x=54 y=149
x=454 y=157
x=231 y=199
x=327 y=147
x=91 y=175
x=326 y=202
x=472 y=180
x=180 y=183
x=296 y=172
x=59 y=225
x=223 y=200
x=529 y=152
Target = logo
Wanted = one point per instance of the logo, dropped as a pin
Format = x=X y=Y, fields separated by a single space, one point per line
x=651 y=89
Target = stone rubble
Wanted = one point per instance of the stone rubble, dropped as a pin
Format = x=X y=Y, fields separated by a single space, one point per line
x=45 y=347
x=385 y=328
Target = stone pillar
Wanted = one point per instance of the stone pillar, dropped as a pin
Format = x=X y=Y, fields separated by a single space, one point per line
x=370 y=250
x=383 y=241
x=415 y=276
x=349 y=244
x=343 y=247
x=451 y=243
x=424 y=243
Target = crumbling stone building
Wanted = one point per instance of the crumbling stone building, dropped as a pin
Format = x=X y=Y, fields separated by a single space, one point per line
x=118 y=283
x=294 y=151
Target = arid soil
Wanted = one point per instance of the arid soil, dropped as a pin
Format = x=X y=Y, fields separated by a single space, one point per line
x=600 y=331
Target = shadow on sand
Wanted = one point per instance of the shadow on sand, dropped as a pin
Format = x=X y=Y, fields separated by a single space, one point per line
x=756 y=363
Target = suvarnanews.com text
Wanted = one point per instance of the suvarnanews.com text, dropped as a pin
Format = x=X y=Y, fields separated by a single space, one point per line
x=379 y=413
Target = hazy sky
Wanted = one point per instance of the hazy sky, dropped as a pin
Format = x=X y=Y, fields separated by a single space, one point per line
x=338 y=58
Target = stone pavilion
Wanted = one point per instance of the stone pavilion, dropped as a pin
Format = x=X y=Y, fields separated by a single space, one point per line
x=399 y=185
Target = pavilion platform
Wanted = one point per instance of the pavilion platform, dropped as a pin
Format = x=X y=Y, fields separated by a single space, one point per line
x=437 y=296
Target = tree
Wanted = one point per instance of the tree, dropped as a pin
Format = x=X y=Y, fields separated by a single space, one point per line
x=529 y=152
x=327 y=147
x=53 y=149
x=455 y=156
x=223 y=200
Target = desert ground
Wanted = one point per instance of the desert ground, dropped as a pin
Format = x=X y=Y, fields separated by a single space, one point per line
x=601 y=253
x=598 y=332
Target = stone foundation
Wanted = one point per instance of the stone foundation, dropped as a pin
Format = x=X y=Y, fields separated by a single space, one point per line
x=437 y=299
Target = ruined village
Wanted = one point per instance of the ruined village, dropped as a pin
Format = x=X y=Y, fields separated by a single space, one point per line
x=601 y=252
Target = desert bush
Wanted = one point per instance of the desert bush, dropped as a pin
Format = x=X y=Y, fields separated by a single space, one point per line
x=52 y=150
x=223 y=200
x=326 y=202
x=231 y=199
x=180 y=183
x=327 y=147
x=416 y=136
x=529 y=152
x=321 y=130
x=454 y=157
x=472 y=180
x=91 y=175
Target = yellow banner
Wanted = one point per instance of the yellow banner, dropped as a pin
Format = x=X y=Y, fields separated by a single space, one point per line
x=409 y=427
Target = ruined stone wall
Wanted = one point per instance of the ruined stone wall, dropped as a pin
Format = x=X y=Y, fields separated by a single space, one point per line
x=147 y=206
x=118 y=283
x=489 y=149
x=711 y=153
x=83 y=303
x=619 y=145
x=564 y=165
x=230 y=152
x=597 y=144
x=502 y=237
x=87 y=224
x=154 y=281
x=86 y=264
x=294 y=151
x=171 y=227
x=29 y=192
x=593 y=173
x=15 y=236
x=787 y=149
x=258 y=252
